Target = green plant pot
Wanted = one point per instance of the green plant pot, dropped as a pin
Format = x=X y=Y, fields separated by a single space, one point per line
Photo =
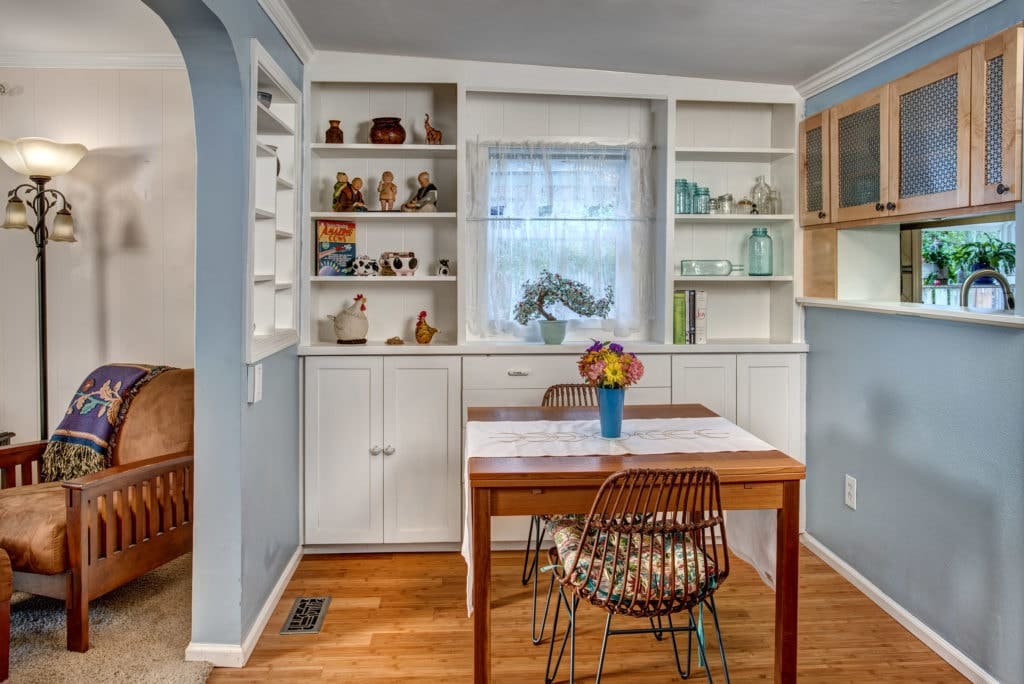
x=553 y=332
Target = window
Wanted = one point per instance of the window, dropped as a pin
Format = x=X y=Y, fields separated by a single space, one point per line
x=580 y=210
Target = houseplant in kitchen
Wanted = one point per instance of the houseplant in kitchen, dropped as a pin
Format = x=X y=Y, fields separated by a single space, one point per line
x=611 y=369
x=937 y=249
x=551 y=288
x=985 y=252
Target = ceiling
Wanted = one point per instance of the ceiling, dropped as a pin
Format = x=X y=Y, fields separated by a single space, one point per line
x=76 y=26
x=768 y=41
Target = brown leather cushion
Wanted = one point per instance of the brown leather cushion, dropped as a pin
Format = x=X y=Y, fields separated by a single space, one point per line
x=33 y=528
x=159 y=419
x=5 y=577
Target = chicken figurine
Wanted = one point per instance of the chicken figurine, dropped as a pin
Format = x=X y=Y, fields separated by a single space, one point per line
x=351 y=324
x=424 y=332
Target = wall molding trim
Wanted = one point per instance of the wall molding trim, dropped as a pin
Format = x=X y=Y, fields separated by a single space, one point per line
x=921 y=29
x=945 y=650
x=89 y=60
x=289 y=26
x=231 y=655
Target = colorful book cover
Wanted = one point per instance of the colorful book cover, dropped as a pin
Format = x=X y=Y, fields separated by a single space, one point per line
x=691 y=316
x=335 y=247
x=679 y=318
x=701 y=315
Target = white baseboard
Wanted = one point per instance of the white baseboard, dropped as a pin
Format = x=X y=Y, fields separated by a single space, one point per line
x=231 y=655
x=929 y=637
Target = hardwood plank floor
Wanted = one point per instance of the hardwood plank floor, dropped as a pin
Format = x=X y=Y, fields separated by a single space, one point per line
x=402 y=617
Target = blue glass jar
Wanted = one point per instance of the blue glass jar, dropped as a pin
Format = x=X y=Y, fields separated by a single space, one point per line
x=759 y=261
x=701 y=201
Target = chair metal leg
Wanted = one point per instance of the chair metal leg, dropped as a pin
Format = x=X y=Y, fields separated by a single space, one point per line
x=549 y=673
x=572 y=638
x=604 y=645
x=718 y=631
x=702 y=655
x=658 y=632
x=530 y=567
x=537 y=634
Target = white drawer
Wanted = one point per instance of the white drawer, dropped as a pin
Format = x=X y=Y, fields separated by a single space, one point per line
x=540 y=372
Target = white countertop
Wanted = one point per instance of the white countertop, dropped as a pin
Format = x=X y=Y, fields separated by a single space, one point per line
x=948 y=313
x=375 y=348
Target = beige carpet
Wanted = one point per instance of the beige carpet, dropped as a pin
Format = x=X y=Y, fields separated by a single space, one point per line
x=138 y=634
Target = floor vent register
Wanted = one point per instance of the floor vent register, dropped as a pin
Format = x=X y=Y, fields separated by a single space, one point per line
x=307 y=615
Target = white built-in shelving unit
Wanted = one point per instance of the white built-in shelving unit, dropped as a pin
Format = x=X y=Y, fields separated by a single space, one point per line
x=274 y=210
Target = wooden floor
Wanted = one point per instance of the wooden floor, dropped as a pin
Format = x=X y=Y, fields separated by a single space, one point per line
x=402 y=617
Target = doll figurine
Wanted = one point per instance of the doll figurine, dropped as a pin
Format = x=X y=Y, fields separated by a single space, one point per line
x=388 y=191
x=343 y=193
x=424 y=199
x=357 y=196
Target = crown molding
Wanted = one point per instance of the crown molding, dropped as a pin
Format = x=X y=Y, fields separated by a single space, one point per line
x=289 y=26
x=917 y=31
x=89 y=60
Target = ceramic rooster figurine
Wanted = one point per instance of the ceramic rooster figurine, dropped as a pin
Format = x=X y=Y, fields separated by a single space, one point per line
x=424 y=332
x=351 y=324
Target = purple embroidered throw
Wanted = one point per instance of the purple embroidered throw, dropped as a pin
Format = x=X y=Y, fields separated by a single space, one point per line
x=84 y=440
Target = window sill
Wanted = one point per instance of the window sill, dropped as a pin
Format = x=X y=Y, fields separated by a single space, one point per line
x=947 y=313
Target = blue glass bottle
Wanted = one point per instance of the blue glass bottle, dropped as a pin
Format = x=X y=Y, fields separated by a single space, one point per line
x=759 y=261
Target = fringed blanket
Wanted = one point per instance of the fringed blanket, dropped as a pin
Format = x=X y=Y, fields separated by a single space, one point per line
x=84 y=440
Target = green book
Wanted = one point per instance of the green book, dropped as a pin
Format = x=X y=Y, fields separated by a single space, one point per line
x=679 y=318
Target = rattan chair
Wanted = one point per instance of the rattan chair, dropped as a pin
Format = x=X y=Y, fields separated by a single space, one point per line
x=556 y=395
x=652 y=546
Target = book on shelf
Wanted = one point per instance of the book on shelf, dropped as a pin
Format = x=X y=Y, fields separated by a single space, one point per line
x=690 y=317
x=335 y=247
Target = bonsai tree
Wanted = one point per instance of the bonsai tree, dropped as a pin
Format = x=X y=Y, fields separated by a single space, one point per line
x=985 y=252
x=551 y=288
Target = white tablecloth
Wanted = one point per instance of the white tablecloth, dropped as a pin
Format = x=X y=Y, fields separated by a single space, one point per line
x=751 y=534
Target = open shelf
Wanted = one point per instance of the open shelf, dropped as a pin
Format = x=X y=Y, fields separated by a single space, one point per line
x=384 y=215
x=269 y=123
x=264 y=213
x=390 y=280
x=734 y=279
x=285 y=184
x=739 y=154
x=734 y=218
x=265 y=150
x=389 y=151
x=283 y=234
x=263 y=277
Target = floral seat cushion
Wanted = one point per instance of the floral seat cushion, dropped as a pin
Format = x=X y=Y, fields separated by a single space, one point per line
x=634 y=569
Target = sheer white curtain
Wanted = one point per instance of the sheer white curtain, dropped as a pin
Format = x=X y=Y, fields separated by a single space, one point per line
x=582 y=210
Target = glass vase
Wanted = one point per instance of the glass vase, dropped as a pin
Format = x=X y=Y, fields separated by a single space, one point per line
x=759 y=195
x=609 y=408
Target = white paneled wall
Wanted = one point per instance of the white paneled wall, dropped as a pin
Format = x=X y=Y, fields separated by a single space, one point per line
x=510 y=117
x=125 y=291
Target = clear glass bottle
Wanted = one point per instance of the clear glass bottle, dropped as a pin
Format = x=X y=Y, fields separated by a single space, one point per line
x=682 y=191
x=701 y=201
x=759 y=261
x=759 y=196
x=774 y=202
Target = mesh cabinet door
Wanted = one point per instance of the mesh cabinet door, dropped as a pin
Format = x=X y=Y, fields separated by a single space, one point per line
x=995 y=118
x=929 y=137
x=859 y=133
x=814 y=170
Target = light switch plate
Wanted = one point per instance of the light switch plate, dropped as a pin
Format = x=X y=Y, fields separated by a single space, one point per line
x=850 y=496
x=254 y=376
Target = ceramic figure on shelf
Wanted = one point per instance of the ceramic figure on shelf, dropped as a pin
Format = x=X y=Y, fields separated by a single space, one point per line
x=343 y=193
x=433 y=135
x=424 y=331
x=443 y=268
x=388 y=191
x=357 y=196
x=394 y=340
x=363 y=265
x=398 y=263
x=351 y=324
x=387 y=130
x=424 y=199
x=334 y=135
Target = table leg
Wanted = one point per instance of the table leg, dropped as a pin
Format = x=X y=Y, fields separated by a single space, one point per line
x=481 y=585
x=787 y=577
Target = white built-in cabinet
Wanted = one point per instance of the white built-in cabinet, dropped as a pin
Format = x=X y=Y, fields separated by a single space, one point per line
x=708 y=379
x=383 y=450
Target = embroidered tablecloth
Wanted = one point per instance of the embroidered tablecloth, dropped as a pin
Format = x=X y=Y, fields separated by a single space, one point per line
x=751 y=534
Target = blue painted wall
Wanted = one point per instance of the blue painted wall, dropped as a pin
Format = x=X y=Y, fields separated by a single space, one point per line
x=247 y=459
x=927 y=415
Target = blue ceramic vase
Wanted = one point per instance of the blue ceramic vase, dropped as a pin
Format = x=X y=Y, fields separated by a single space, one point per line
x=609 y=407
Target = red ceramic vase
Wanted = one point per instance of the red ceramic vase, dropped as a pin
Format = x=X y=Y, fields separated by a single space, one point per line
x=387 y=130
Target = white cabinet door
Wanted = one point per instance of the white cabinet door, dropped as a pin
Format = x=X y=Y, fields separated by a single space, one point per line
x=769 y=392
x=423 y=427
x=708 y=379
x=344 y=480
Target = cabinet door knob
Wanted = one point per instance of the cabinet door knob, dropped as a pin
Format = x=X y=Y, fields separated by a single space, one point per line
x=1002 y=189
x=375 y=450
x=821 y=214
x=518 y=373
x=890 y=206
x=388 y=450
x=879 y=207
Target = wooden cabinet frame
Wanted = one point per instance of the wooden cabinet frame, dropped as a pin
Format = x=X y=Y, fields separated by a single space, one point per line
x=1009 y=44
x=808 y=217
x=880 y=97
x=960 y=65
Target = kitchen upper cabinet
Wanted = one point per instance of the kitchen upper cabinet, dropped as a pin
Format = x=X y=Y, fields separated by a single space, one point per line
x=859 y=144
x=814 y=170
x=930 y=137
x=996 y=118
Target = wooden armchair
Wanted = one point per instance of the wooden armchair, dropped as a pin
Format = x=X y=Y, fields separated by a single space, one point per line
x=78 y=540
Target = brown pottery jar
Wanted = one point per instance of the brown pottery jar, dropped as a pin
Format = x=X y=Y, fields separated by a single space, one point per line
x=387 y=130
x=334 y=134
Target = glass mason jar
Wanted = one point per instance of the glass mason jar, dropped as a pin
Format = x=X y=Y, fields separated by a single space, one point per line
x=682 y=196
x=701 y=201
x=759 y=261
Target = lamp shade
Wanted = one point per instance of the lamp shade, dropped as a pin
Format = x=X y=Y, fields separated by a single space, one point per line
x=40 y=156
x=63 y=227
x=16 y=215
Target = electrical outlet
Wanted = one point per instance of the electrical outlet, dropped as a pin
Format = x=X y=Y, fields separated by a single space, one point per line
x=851 y=492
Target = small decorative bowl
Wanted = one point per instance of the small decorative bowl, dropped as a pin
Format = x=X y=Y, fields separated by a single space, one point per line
x=264 y=98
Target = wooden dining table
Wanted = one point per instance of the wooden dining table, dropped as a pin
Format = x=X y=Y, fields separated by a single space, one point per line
x=568 y=484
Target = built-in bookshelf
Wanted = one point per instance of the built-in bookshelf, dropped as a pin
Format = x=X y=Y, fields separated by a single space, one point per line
x=274 y=210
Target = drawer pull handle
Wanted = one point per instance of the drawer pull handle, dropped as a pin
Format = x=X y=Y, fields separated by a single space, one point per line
x=388 y=450
x=518 y=373
x=375 y=450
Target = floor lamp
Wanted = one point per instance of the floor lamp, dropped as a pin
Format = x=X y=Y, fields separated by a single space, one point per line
x=40 y=159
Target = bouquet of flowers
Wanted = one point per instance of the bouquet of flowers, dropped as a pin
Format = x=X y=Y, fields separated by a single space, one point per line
x=607 y=365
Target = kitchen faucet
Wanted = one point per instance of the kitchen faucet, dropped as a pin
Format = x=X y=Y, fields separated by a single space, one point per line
x=999 y=277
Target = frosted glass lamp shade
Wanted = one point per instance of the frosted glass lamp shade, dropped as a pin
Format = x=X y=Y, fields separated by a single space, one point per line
x=16 y=215
x=40 y=156
x=63 y=227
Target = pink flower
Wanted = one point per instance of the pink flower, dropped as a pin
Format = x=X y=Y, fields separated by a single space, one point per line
x=595 y=370
x=635 y=371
